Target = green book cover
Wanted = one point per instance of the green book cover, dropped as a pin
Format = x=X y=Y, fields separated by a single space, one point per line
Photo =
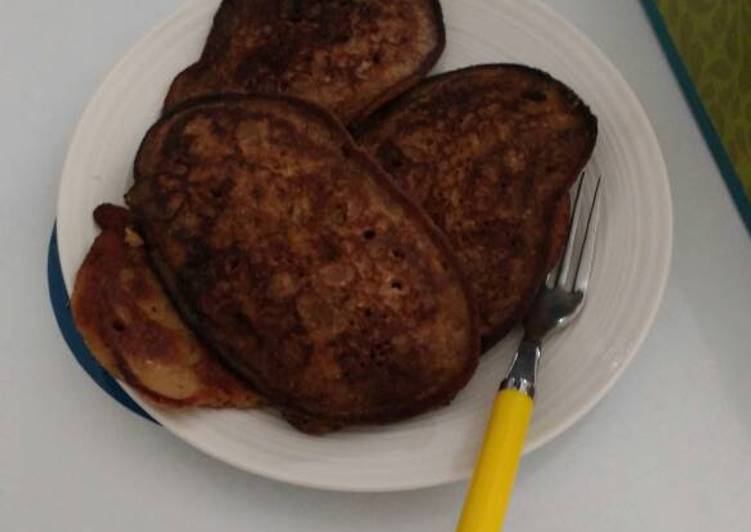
x=708 y=43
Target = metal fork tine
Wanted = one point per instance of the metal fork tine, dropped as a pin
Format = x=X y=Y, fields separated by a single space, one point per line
x=587 y=253
x=565 y=263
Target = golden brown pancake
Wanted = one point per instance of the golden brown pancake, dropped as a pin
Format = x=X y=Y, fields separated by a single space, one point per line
x=490 y=152
x=349 y=56
x=297 y=259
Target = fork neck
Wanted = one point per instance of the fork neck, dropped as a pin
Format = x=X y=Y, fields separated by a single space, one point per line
x=523 y=371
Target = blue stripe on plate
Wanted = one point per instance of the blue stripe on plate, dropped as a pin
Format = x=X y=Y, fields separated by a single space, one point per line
x=61 y=307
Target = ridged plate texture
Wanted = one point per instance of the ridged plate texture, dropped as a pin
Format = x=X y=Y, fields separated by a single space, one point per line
x=579 y=366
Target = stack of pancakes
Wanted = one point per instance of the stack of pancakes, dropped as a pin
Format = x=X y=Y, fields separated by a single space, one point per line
x=315 y=227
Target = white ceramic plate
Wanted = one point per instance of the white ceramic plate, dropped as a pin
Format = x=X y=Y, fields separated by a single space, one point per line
x=580 y=365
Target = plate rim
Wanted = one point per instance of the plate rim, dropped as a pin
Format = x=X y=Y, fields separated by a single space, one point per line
x=650 y=313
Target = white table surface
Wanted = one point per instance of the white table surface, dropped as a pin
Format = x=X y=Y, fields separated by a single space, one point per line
x=669 y=449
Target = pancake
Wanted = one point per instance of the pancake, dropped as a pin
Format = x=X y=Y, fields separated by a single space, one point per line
x=132 y=329
x=295 y=257
x=349 y=56
x=490 y=152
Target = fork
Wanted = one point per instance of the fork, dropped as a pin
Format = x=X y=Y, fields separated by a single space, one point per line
x=556 y=305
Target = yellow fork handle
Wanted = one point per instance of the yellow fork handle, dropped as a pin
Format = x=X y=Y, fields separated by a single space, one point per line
x=490 y=490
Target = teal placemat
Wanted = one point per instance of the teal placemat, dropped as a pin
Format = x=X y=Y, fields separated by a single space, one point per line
x=708 y=44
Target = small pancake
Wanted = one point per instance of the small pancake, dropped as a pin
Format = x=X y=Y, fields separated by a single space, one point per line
x=133 y=330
